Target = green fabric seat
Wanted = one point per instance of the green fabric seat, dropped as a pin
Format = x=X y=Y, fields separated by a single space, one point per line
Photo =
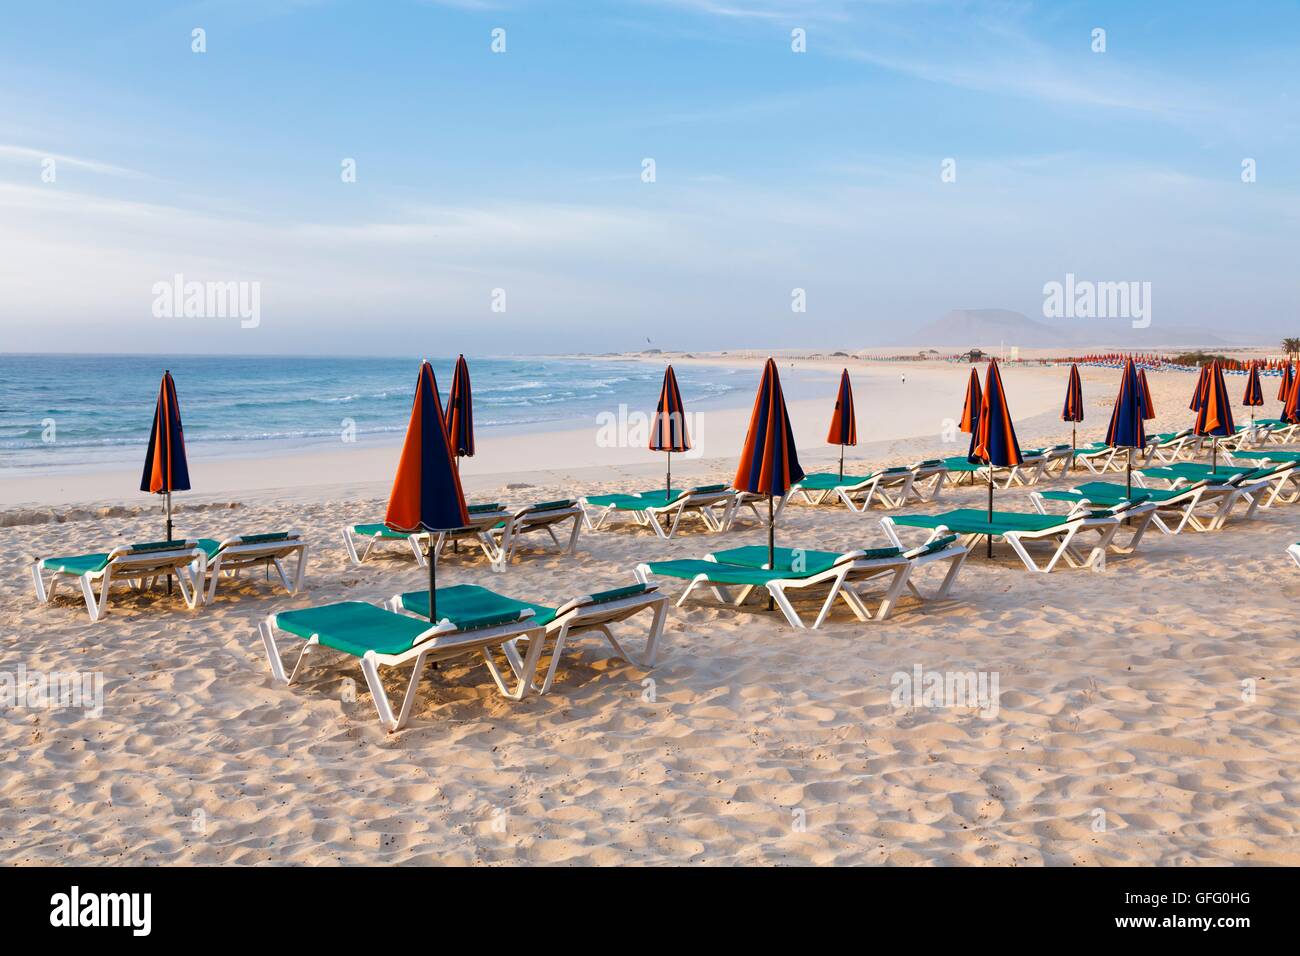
x=824 y=481
x=355 y=627
x=719 y=573
x=1104 y=493
x=379 y=531
x=960 y=464
x=468 y=601
x=77 y=564
x=976 y=521
x=755 y=557
x=631 y=500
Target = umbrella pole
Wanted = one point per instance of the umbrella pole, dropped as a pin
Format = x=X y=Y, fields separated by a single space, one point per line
x=668 y=479
x=1074 y=444
x=433 y=575
x=990 y=551
x=169 y=536
x=841 y=463
x=771 y=546
x=1214 y=454
x=455 y=542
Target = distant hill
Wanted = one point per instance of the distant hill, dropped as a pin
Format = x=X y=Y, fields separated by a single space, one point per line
x=989 y=328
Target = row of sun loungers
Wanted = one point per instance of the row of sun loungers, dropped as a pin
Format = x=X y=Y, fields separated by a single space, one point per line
x=198 y=565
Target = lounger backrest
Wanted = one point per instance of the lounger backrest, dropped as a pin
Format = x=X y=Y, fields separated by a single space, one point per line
x=611 y=596
x=153 y=553
x=932 y=547
x=485 y=508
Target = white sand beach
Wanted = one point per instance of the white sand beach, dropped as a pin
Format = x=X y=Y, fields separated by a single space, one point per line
x=1148 y=714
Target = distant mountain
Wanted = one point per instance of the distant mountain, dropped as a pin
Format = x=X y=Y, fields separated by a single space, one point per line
x=989 y=328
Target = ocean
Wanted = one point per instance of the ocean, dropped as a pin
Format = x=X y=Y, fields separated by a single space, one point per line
x=60 y=412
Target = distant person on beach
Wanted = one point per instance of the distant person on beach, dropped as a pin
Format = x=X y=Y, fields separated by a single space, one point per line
x=904 y=378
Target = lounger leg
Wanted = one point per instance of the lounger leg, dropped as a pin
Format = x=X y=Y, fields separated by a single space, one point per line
x=653 y=521
x=377 y=693
x=896 y=587
x=301 y=571
x=93 y=607
x=573 y=536
x=41 y=594
x=351 y=547
x=781 y=601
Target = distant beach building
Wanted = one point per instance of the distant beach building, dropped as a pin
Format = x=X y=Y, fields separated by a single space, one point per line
x=975 y=355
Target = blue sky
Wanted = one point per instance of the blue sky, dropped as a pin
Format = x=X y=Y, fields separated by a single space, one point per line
x=522 y=171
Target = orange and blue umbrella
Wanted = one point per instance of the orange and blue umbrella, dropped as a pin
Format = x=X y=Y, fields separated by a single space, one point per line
x=1284 y=387
x=1148 y=406
x=668 y=431
x=460 y=411
x=1291 y=408
x=769 y=464
x=993 y=443
x=1254 y=395
x=1198 y=396
x=426 y=493
x=1072 y=412
x=1126 y=429
x=1214 y=417
x=970 y=412
x=844 y=420
x=165 y=466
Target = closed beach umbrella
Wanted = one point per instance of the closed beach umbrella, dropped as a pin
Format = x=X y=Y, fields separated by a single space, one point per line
x=426 y=493
x=1284 y=387
x=1073 y=410
x=844 y=421
x=1126 y=429
x=993 y=442
x=460 y=412
x=165 y=467
x=970 y=412
x=769 y=464
x=1254 y=396
x=1148 y=406
x=1291 y=407
x=668 y=431
x=1214 y=417
x=1198 y=396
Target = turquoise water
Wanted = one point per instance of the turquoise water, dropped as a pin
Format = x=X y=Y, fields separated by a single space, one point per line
x=101 y=406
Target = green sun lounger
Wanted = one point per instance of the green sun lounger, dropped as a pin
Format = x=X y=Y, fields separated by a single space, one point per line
x=231 y=556
x=890 y=486
x=654 y=509
x=1019 y=529
x=381 y=638
x=140 y=564
x=847 y=575
x=482 y=518
x=582 y=615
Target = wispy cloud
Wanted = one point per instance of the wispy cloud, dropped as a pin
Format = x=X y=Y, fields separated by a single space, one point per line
x=28 y=153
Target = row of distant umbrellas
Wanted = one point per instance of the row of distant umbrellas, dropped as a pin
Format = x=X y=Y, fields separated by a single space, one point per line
x=427 y=495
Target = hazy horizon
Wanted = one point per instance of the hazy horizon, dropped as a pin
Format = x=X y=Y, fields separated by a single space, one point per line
x=913 y=160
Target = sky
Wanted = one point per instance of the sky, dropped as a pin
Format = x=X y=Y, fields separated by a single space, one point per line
x=502 y=201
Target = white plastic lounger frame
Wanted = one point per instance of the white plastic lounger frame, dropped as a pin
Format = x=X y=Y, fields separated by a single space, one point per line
x=890 y=487
x=1181 y=446
x=757 y=505
x=703 y=504
x=187 y=562
x=1064 y=533
x=928 y=478
x=236 y=554
x=581 y=616
x=851 y=565
x=413 y=541
x=530 y=519
x=1134 y=517
x=1225 y=496
x=1101 y=460
x=1294 y=551
x=437 y=643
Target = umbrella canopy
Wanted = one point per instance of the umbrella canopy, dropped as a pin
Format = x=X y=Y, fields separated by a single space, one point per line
x=1073 y=410
x=1284 y=387
x=1254 y=391
x=668 y=431
x=844 y=420
x=1198 y=396
x=1126 y=429
x=993 y=443
x=970 y=412
x=1214 y=415
x=460 y=412
x=1291 y=408
x=1148 y=406
x=769 y=464
x=994 y=440
x=165 y=468
x=426 y=493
